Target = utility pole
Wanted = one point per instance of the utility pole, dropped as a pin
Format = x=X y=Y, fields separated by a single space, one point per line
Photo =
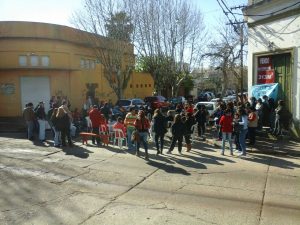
x=242 y=61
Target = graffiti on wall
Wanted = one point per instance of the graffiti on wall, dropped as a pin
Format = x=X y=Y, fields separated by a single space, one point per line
x=7 y=89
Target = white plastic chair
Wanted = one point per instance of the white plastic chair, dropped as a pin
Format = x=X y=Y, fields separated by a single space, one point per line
x=119 y=137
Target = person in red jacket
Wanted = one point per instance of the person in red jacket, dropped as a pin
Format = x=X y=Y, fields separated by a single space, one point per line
x=142 y=125
x=226 y=123
x=97 y=119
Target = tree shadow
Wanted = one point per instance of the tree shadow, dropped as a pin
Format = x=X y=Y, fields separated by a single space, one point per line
x=274 y=162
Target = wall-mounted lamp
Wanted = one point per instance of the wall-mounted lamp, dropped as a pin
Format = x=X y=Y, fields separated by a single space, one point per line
x=271 y=46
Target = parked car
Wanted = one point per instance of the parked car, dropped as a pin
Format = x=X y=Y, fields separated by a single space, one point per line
x=210 y=107
x=128 y=103
x=156 y=102
x=176 y=100
x=206 y=96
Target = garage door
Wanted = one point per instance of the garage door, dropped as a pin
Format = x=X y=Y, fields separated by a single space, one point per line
x=35 y=90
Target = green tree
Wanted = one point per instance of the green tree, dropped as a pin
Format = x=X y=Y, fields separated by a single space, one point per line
x=108 y=34
x=119 y=26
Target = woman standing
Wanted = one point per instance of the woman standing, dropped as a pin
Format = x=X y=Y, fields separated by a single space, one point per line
x=226 y=128
x=178 y=130
x=243 y=130
x=253 y=121
x=57 y=133
x=142 y=125
x=63 y=125
x=160 y=129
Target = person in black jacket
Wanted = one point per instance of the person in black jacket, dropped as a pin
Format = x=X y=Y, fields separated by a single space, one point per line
x=63 y=125
x=188 y=121
x=178 y=130
x=160 y=129
x=201 y=117
x=41 y=117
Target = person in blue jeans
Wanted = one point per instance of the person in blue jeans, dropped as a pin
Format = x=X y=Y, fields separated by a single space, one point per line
x=129 y=124
x=243 y=130
x=142 y=125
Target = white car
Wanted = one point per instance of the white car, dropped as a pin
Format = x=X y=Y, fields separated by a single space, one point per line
x=128 y=103
x=210 y=107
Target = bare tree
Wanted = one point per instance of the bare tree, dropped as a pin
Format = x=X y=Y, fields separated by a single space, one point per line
x=108 y=30
x=225 y=53
x=168 y=36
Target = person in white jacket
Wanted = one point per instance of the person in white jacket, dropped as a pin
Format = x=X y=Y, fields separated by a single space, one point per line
x=243 y=130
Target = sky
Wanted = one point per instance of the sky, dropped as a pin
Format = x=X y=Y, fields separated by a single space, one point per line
x=60 y=11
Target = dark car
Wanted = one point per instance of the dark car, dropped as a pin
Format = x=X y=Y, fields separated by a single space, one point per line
x=177 y=100
x=205 y=97
x=156 y=102
x=128 y=103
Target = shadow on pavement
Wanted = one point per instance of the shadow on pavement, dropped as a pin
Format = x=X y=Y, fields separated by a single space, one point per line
x=77 y=151
x=168 y=168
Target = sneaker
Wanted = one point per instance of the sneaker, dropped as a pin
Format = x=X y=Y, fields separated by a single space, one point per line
x=237 y=151
x=222 y=153
x=241 y=154
x=169 y=152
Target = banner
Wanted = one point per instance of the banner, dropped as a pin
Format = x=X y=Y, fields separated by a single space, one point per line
x=265 y=73
x=270 y=90
x=266 y=77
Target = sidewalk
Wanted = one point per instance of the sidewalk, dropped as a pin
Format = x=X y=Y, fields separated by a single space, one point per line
x=265 y=144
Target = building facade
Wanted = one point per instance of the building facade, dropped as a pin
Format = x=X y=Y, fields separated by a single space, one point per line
x=274 y=49
x=39 y=60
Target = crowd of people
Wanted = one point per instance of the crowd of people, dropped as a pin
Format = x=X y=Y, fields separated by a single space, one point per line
x=238 y=121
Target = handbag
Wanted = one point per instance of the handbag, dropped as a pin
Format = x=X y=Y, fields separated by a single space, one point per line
x=135 y=136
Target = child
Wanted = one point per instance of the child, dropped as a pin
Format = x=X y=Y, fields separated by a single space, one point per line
x=120 y=125
x=178 y=130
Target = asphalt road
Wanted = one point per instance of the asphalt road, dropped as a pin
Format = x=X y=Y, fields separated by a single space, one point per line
x=40 y=184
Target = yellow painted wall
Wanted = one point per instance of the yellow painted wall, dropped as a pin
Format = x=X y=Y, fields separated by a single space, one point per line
x=65 y=50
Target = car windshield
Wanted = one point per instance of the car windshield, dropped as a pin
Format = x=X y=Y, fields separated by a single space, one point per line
x=137 y=102
x=123 y=102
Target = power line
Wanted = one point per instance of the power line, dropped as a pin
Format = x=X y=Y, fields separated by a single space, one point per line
x=268 y=14
x=226 y=14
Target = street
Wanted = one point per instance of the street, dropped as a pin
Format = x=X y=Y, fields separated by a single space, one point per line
x=41 y=184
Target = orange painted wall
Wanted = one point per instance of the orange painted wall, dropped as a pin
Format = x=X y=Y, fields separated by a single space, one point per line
x=66 y=76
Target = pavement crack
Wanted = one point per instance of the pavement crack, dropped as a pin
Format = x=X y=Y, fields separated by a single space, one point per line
x=264 y=191
x=52 y=153
x=114 y=199
x=70 y=178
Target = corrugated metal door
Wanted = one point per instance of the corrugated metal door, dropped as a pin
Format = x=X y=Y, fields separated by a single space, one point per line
x=35 y=90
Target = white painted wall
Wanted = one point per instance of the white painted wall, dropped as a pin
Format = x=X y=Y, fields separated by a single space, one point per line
x=285 y=34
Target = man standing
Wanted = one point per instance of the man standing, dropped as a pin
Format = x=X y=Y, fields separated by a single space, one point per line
x=41 y=117
x=97 y=119
x=129 y=124
x=28 y=115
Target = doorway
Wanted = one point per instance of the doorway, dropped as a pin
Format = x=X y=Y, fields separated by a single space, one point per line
x=283 y=75
x=35 y=90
